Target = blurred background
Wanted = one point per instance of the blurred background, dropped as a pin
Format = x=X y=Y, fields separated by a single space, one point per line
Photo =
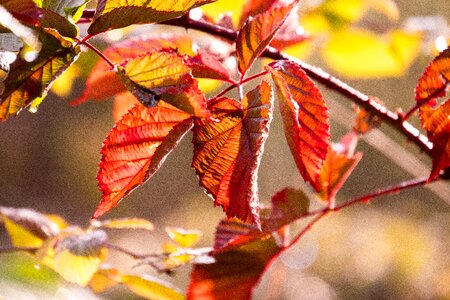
x=396 y=247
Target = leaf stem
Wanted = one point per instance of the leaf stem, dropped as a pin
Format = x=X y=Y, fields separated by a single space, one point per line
x=236 y=84
x=98 y=52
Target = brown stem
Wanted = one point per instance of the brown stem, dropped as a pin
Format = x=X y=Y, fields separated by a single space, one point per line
x=321 y=76
x=11 y=249
x=98 y=52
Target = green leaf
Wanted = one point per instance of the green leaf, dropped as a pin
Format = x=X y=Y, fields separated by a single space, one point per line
x=28 y=81
x=68 y=8
x=113 y=14
x=78 y=256
x=149 y=288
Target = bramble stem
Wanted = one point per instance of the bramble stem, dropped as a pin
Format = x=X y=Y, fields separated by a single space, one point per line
x=363 y=199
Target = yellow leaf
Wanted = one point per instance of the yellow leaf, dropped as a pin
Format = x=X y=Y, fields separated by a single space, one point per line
x=208 y=85
x=150 y=289
x=125 y=223
x=357 y=53
x=20 y=237
x=184 y=238
x=63 y=85
x=78 y=256
x=104 y=279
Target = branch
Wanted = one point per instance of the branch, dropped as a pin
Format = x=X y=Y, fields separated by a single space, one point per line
x=316 y=73
x=11 y=249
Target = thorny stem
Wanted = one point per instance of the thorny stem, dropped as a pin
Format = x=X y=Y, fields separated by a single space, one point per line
x=390 y=117
x=396 y=188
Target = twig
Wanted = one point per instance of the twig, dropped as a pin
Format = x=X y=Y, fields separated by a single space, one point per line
x=132 y=254
x=234 y=85
x=11 y=249
x=98 y=52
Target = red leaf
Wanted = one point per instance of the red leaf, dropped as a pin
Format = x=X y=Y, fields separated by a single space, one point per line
x=288 y=205
x=227 y=153
x=437 y=123
x=206 y=65
x=242 y=253
x=433 y=82
x=339 y=164
x=235 y=273
x=252 y=8
x=136 y=148
x=103 y=83
x=257 y=33
x=305 y=117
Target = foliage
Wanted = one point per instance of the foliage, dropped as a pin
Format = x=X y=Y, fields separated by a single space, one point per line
x=157 y=81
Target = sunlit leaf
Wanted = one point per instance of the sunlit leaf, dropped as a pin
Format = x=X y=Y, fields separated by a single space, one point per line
x=367 y=55
x=206 y=65
x=66 y=8
x=63 y=85
x=257 y=33
x=163 y=75
x=227 y=152
x=78 y=256
x=251 y=8
x=103 y=83
x=28 y=81
x=184 y=238
x=437 y=123
x=340 y=162
x=125 y=223
x=305 y=118
x=26 y=227
x=150 y=288
x=104 y=279
x=112 y=14
x=135 y=149
x=433 y=82
x=235 y=272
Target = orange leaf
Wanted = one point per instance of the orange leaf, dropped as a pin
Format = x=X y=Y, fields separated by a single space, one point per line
x=339 y=164
x=437 y=123
x=136 y=148
x=257 y=33
x=227 y=153
x=103 y=83
x=433 y=82
x=305 y=117
x=123 y=102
